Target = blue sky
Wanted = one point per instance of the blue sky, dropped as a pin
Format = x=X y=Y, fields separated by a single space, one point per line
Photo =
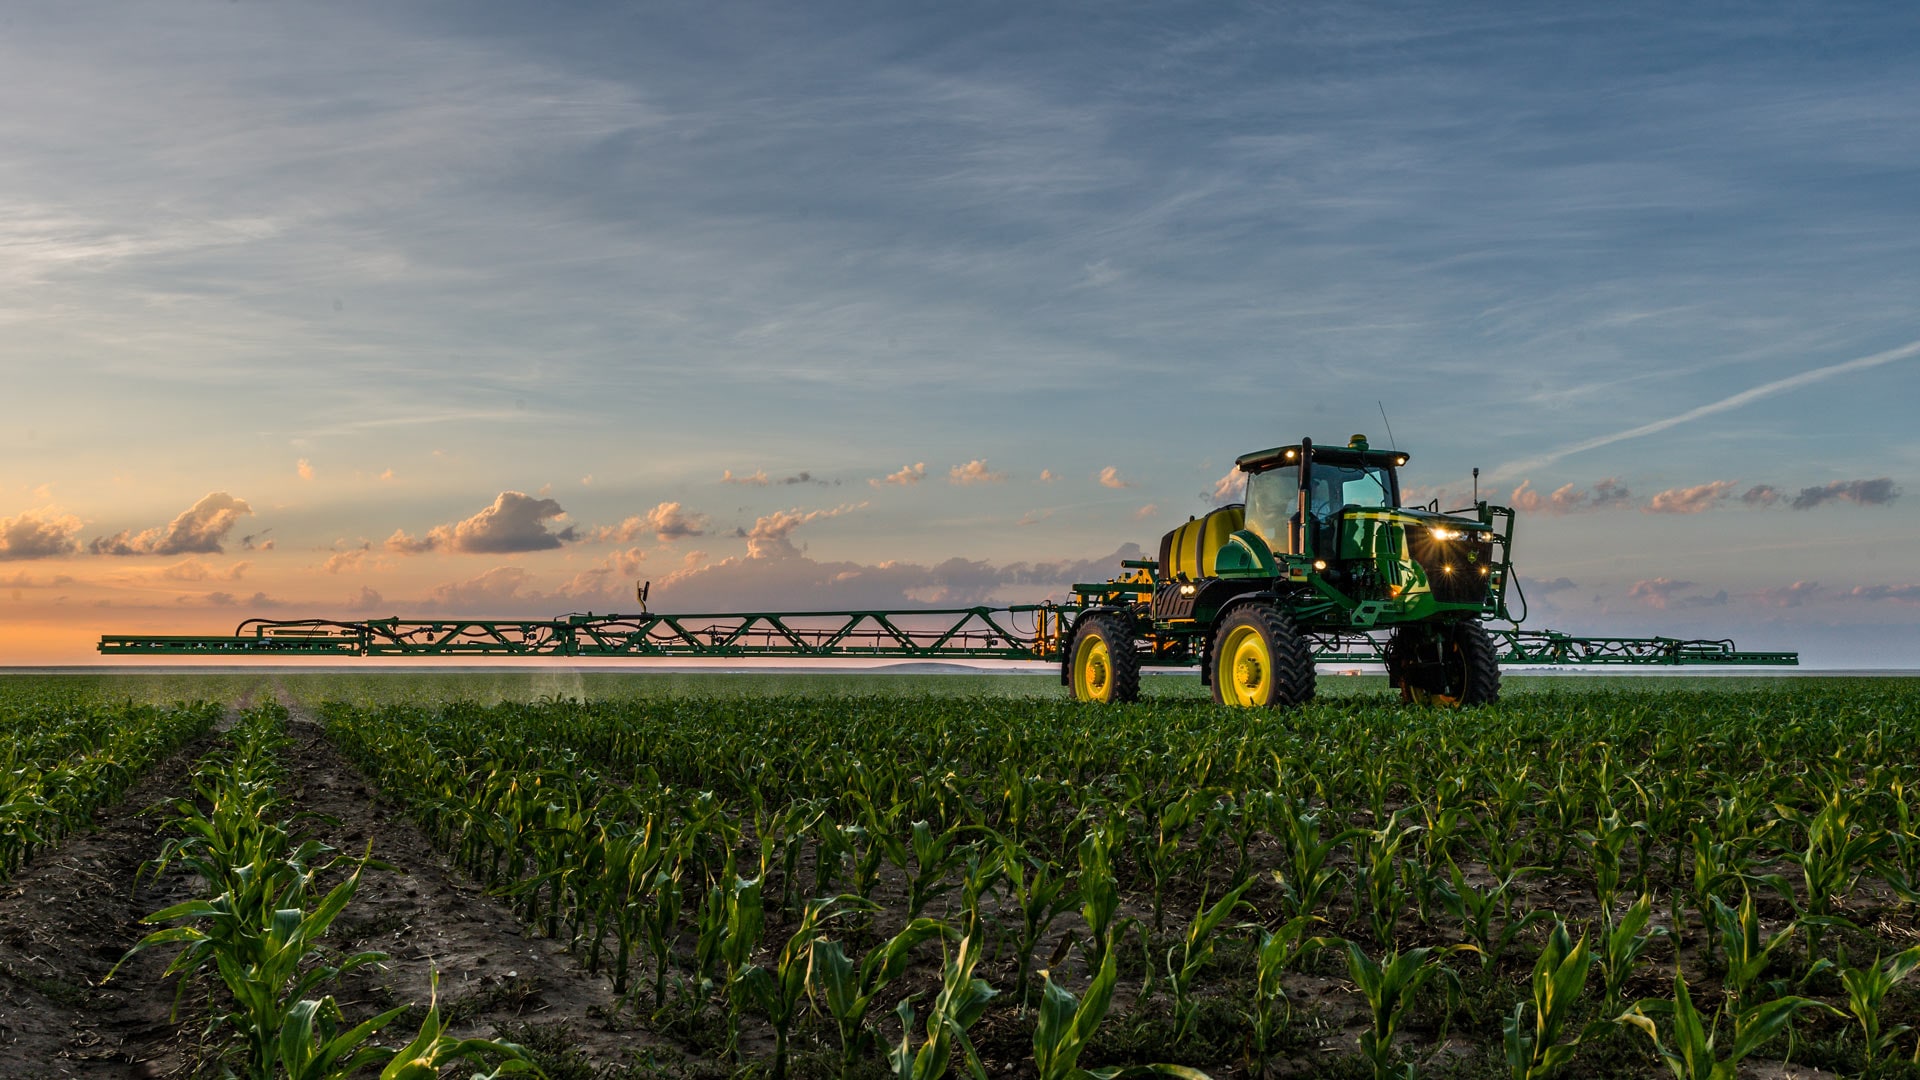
x=442 y=253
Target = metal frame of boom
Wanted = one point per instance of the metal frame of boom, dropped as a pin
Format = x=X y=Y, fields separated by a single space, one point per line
x=1016 y=632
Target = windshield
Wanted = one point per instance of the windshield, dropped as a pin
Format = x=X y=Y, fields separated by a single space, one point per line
x=1272 y=497
x=1335 y=486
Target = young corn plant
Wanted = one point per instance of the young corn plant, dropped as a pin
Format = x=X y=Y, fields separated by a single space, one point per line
x=1066 y=1024
x=1389 y=988
x=1040 y=892
x=1099 y=894
x=1535 y=1052
x=1478 y=911
x=1377 y=881
x=1276 y=953
x=1747 y=953
x=432 y=1050
x=961 y=1002
x=1696 y=1053
x=1307 y=880
x=1195 y=951
x=778 y=990
x=849 y=990
x=1867 y=988
x=1622 y=946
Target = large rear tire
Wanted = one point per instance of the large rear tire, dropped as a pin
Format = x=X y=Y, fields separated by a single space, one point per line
x=1452 y=666
x=1261 y=660
x=1105 y=667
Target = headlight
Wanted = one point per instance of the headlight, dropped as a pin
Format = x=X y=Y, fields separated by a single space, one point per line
x=1444 y=534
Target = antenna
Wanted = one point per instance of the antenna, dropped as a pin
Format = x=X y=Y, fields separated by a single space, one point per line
x=1476 y=485
x=1383 y=419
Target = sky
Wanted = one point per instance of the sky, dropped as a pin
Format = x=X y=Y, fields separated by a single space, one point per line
x=494 y=309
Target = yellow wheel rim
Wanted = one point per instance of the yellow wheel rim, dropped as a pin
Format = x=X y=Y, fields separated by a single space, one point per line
x=1092 y=670
x=1247 y=671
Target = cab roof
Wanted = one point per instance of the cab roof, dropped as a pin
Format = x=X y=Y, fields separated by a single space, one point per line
x=1262 y=460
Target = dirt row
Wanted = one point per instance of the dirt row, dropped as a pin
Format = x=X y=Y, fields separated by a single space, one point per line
x=69 y=917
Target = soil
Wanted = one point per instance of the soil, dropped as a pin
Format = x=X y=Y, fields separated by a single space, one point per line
x=64 y=922
x=67 y=918
x=430 y=918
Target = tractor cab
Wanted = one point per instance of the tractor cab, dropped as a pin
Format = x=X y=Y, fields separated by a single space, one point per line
x=1338 y=479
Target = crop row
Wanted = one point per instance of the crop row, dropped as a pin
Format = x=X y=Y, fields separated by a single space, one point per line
x=1420 y=845
x=254 y=939
x=63 y=757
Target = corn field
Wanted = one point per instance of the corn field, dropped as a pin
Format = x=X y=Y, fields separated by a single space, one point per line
x=1595 y=880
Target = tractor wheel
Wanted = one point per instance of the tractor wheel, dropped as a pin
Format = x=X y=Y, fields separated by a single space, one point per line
x=1452 y=666
x=1260 y=659
x=1105 y=667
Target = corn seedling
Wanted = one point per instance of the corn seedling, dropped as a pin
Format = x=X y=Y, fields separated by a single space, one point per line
x=1535 y=1051
x=1389 y=987
x=1194 y=952
x=1695 y=1053
x=1867 y=988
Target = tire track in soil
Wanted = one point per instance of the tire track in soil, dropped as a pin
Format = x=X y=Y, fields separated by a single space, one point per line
x=69 y=917
x=431 y=917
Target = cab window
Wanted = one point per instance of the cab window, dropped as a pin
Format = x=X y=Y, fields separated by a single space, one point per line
x=1336 y=486
x=1272 y=497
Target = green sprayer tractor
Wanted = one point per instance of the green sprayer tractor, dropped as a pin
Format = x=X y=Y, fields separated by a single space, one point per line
x=1321 y=563
x=1322 y=547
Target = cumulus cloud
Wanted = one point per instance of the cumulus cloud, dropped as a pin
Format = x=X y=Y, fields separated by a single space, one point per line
x=974 y=472
x=1901 y=594
x=367 y=600
x=1110 y=478
x=304 y=468
x=756 y=478
x=666 y=522
x=516 y=522
x=345 y=560
x=1760 y=495
x=1609 y=492
x=257 y=541
x=1035 y=517
x=770 y=537
x=805 y=477
x=1794 y=595
x=1548 y=588
x=1048 y=476
x=1691 y=500
x=908 y=474
x=198 y=530
x=1658 y=592
x=38 y=534
x=1564 y=499
x=1146 y=511
x=1864 y=492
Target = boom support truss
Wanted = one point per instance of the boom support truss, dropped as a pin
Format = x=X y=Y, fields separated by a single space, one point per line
x=1017 y=632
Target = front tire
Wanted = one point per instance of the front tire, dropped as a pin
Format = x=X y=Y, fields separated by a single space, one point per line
x=1105 y=667
x=1261 y=660
x=1452 y=666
